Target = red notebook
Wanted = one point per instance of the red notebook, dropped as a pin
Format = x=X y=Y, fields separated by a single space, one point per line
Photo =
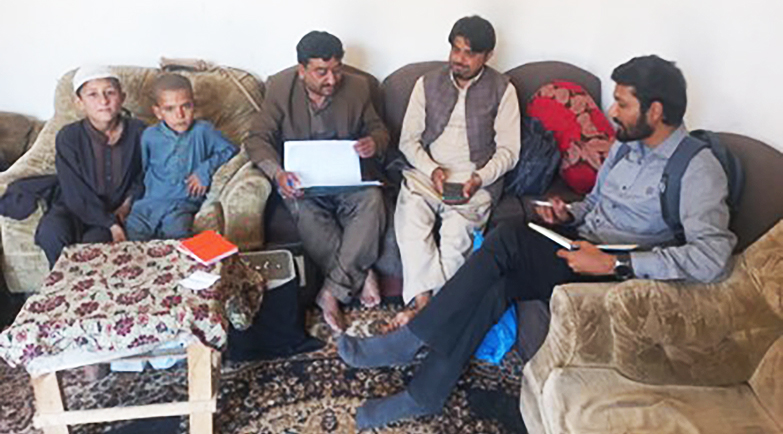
x=207 y=247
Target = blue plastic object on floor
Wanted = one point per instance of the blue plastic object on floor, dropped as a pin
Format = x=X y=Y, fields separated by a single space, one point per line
x=500 y=338
x=478 y=239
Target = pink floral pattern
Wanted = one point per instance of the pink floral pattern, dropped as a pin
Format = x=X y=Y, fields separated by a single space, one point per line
x=583 y=133
x=111 y=297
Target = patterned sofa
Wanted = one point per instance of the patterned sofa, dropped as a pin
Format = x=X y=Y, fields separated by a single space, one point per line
x=227 y=97
x=658 y=357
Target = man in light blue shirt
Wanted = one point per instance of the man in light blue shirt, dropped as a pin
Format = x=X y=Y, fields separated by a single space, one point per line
x=179 y=157
x=516 y=263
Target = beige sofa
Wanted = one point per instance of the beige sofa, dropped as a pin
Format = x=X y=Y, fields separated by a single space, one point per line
x=656 y=357
x=227 y=97
x=17 y=135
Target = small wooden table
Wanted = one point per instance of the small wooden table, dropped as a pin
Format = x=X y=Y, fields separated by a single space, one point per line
x=109 y=302
x=203 y=374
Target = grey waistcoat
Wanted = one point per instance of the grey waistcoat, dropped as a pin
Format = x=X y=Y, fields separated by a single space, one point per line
x=481 y=108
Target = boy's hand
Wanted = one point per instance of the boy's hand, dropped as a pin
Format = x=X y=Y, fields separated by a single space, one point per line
x=117 y=233
x=287 y=184
x=588 y=259
x=471 y=186
x=123 y=210
x=195 y=188
x=365 y=147
x=438 y=177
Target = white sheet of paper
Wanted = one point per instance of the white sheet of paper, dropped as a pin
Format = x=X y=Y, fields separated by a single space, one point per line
x=323 y=163
x=199 y=280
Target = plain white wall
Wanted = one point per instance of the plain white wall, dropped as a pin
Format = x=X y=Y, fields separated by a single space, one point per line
x=729 y=51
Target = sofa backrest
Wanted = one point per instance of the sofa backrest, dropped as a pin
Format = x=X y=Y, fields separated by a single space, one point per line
x=396 y=90
x=375 y=87
x=531 y=76
x=761 y=204
x=17 y=134
x=227 y=97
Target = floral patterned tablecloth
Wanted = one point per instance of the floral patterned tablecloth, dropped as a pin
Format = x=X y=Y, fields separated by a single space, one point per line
x=125 y=299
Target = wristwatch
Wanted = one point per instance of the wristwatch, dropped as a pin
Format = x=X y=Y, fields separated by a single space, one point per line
x=623 y=269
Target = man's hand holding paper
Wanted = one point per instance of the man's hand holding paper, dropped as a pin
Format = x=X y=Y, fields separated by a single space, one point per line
x=587 y=258
x=288 y=184
x=365 y=147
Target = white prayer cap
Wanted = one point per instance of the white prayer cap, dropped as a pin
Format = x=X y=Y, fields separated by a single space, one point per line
x=91 y=72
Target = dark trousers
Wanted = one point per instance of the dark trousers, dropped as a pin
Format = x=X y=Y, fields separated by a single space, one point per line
x=514 y=263
x=59 y=227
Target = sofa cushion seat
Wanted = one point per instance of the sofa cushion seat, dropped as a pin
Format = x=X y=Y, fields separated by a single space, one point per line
x=585 y=400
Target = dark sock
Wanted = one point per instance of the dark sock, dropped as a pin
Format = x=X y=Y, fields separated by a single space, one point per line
x=396 y=348
x=376 y=413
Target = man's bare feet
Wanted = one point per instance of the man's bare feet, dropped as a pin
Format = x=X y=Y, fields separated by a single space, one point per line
x=371 y=292
x=331 y=310
x=407 y=315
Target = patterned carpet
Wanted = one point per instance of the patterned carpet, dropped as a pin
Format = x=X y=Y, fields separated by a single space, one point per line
x=310 y=393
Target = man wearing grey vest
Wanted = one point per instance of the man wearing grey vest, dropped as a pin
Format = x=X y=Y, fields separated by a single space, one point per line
x=461 y=132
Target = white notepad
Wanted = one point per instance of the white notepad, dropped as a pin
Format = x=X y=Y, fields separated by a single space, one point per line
x=567 y=243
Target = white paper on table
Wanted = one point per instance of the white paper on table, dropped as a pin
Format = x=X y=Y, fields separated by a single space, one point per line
x=324 y=163
x=199 y=280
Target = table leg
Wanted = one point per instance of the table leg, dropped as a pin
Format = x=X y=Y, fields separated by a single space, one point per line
x=49 y=400
x=201 y=384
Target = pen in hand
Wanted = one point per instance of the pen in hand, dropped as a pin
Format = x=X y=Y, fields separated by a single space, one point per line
x=546 y=203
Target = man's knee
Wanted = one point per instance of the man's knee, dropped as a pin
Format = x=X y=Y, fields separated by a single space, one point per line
x=175 y=232
x=53 y=233
x=52 y=230
x=369 y=199
x=507 y=234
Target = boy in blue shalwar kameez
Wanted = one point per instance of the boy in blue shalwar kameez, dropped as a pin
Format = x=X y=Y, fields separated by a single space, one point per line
x=179 y=157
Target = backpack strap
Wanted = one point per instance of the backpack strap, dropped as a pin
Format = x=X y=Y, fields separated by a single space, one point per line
x=731 y=164
x=621 y=153
x=671 y=183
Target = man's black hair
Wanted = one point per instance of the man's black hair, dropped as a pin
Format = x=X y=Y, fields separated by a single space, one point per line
x=318 y=45
x=655 y=79
x=478 y=31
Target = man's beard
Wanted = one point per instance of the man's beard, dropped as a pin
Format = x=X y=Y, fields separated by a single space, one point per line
x=639 y=131
x=458 y=73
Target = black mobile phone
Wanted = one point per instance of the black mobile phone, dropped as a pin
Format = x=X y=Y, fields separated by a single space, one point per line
x=452 y=193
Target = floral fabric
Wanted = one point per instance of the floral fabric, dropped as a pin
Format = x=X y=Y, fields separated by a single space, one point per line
x=583 y=133
x=124 y=297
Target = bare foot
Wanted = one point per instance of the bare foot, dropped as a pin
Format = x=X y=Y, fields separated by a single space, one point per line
x=331 y=310
x=401 y=319
x=407 y=315
x=371 y=292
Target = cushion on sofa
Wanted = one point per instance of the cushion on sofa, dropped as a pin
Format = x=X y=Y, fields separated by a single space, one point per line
x=581 y=130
